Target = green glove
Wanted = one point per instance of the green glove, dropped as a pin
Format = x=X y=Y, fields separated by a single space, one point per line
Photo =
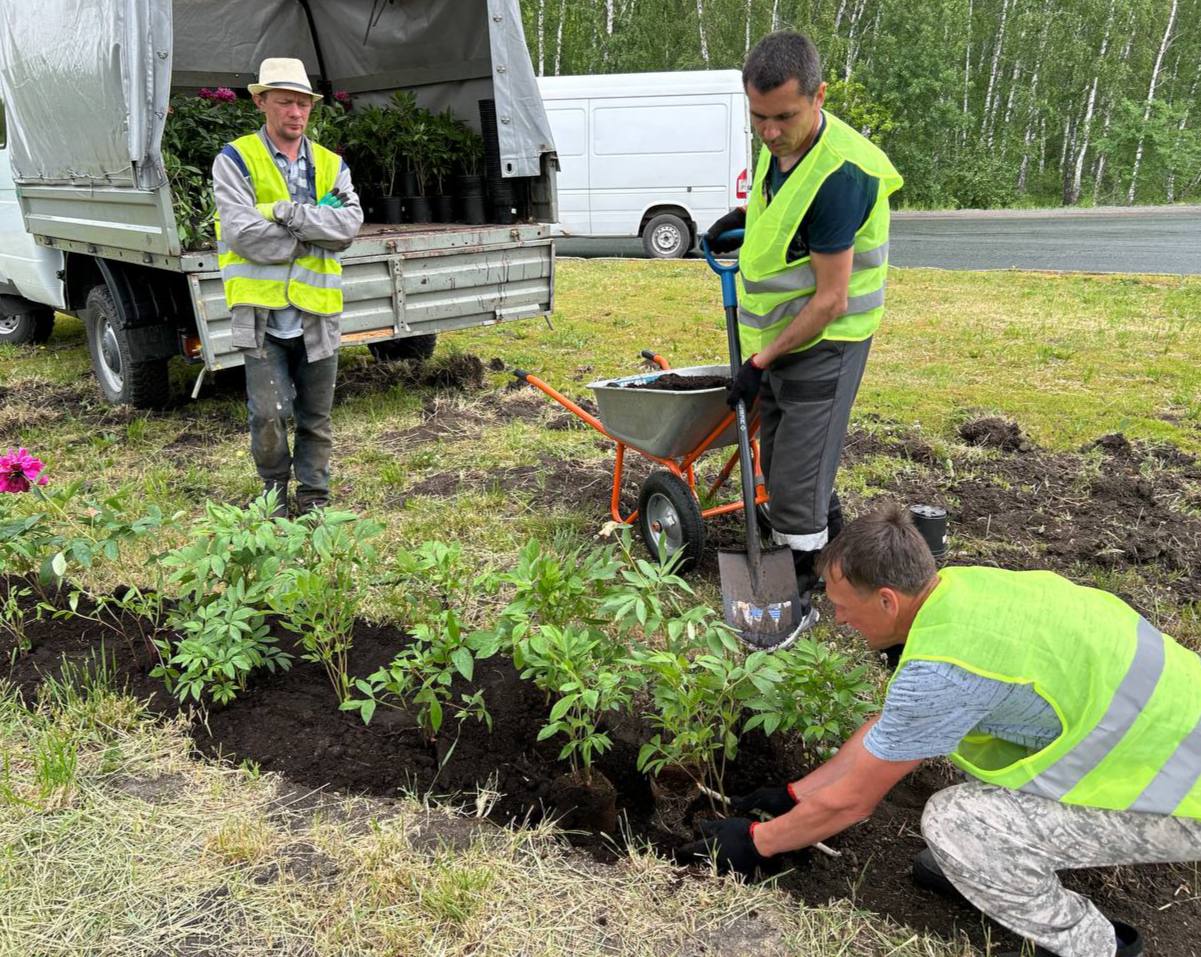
x=332 y=198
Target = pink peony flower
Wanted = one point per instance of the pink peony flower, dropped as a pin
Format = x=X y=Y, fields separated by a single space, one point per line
x=18 y=470
x=225 y=95
x=206 y=94
x=342 y=97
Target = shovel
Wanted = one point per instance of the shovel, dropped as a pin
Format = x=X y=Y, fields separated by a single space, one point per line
x=758 y=588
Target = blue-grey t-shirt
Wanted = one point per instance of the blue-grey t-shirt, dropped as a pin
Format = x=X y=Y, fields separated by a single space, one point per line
x=840 y=208
x=932 y=705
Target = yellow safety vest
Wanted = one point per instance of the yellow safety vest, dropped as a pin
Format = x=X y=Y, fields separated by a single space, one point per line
x=771 y=289
x=312 y=282
x=1127 y=696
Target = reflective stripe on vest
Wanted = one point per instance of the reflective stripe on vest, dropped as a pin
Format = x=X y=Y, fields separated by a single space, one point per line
x=312 y=282
x=772 y=289
x=1127 y=696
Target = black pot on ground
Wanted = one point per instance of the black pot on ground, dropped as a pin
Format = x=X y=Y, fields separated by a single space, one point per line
x=392 y=209
x=419 y=209
x=444 y=208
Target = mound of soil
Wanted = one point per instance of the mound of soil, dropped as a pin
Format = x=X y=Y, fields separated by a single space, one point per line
x=288 y=723
x=674 y=382
x=995 y=433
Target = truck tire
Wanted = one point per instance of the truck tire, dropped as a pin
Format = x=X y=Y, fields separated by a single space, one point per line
x=666 y=236
x=23 y=322
x=419 y=348
x=144 y=384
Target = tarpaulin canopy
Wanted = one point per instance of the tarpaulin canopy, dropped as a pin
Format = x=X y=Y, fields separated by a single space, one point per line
x=87 y=81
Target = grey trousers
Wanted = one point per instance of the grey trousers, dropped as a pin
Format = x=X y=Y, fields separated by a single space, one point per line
x=283 y=385
x=1002 y=848
x=805 y=404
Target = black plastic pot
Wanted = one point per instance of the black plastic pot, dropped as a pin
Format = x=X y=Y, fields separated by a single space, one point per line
x=473 y=209
x=419 y=209
x=392 y=210
x=444 y=208
x=931 y=521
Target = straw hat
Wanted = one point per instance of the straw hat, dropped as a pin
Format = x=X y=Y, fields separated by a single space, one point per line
x=283 y=73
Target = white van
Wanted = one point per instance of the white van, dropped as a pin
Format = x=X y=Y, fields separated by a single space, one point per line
x=656 y=155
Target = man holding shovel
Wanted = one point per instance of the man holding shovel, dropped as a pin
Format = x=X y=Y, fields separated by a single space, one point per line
x=811 y=288
x=286 y=207
x=1078 y=723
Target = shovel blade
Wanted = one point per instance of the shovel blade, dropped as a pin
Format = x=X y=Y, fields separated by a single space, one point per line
x=767 y=615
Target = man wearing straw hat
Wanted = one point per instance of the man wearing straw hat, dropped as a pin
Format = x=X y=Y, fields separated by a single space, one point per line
x=285 y=209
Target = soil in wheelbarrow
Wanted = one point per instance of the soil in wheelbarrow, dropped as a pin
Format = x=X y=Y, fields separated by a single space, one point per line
x=289 y=723
x=674 y=382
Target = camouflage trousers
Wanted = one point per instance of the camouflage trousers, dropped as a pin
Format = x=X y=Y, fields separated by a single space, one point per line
x=1002 y=848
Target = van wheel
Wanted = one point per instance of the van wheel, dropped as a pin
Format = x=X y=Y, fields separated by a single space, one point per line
x=123 y=380
x=23 y=323
x=412 y=347
x=666 y=236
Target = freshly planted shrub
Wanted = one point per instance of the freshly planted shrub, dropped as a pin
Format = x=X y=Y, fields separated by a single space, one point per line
x=224 y=579
x=319 y=599
x=422 y=675
x=814 y=692
x=557 y=590
x=586 y=671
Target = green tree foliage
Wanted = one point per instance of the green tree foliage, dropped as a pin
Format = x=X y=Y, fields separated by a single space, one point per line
x=980 y=103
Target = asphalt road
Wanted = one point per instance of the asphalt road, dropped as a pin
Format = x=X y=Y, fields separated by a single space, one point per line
x=1151 y=239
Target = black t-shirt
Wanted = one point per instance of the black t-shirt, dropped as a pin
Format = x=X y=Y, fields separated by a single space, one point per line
x=840 y=208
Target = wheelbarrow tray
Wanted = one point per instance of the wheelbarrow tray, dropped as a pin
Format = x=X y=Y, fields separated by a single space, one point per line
x=660 y=423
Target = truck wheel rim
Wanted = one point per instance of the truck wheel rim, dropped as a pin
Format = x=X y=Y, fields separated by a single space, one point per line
x=8 y=324
x=110 y=358
x=663 y=522
x=666 y=239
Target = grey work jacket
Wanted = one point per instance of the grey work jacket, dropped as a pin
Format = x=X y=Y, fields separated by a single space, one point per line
x=261 y=240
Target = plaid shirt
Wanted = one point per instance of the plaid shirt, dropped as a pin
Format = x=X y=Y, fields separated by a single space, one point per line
x=286 y=323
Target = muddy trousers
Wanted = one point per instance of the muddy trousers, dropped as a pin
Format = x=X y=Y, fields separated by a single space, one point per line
x=281 y=386
x=1002 y=848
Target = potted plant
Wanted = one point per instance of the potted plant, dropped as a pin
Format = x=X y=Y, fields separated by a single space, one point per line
x=418 y=140
x=470 y=181
x=444 y=131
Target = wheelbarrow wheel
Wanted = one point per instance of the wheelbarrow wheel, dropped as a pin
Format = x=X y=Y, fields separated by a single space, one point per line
x=668 y=515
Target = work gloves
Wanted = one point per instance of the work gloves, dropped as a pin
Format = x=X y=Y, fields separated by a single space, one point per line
x=772 y=801
x=734 y=219
x=333 y=198
x=729 y=843
x=745 y=386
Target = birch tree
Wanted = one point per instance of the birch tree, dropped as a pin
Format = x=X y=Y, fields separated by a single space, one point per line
x=700 y=24
x=1072 y=195
x=1138 y=153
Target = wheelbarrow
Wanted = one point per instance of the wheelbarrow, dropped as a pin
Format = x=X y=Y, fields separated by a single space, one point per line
x=673 y=429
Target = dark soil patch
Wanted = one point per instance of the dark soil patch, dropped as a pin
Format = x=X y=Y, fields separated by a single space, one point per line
x=454 y=373
x=1031 y=508
x=288 y=723
x=556 y=483
x=674 y=382
x=995 y=433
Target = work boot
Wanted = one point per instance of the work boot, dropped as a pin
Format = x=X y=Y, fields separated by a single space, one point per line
x=1128 y=939
x=806 y=576
x=310 y=504
x=929 y=876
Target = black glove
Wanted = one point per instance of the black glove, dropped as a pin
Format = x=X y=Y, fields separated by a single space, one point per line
x=773 y=801
x=745 y=385
x=730 y=841
x=734 y=219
